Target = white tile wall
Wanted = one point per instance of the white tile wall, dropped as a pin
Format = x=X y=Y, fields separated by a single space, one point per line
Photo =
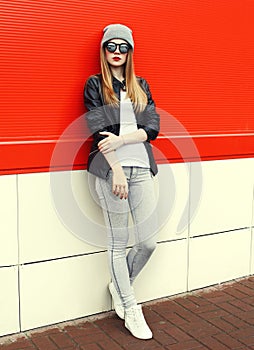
x=227 y=196
x=9 y=302
x=252 y=236
x=165 y=273
x=172 y=185
x=46 y=234
x=252 y=252
x=218 y=258
x=8 y=222
x=253 y=200
x=63 y=289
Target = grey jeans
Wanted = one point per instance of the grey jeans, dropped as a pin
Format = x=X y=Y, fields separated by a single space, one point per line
x=141 y=204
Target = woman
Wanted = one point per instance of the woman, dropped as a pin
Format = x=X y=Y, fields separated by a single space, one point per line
x=122 y=118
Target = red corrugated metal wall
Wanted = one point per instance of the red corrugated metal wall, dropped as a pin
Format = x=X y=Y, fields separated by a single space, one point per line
x=197 y=56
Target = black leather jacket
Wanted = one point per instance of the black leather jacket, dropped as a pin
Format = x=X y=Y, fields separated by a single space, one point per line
x=102 y=117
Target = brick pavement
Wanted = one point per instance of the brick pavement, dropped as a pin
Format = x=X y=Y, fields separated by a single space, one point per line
x=216 y=318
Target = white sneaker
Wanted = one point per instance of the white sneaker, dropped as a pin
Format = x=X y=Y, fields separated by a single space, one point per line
x=119 y=309
x=136 y=323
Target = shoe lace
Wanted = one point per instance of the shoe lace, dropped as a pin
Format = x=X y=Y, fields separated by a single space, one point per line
x=138 y=318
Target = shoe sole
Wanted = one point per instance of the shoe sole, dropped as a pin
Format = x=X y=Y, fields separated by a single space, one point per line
x=134 y=335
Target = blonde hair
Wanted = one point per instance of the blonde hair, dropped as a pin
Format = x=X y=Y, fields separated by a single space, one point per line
x=133 y=90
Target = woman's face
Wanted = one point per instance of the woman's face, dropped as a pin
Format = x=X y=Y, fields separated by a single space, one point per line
x=116 y=58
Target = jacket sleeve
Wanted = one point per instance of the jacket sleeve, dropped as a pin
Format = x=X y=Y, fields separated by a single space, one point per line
x=95 y=116
x=151 y=119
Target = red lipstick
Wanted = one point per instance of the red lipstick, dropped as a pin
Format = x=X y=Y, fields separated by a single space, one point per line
x=116 y=58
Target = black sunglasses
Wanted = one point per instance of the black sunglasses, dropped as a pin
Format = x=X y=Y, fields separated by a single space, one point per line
x=111 y=47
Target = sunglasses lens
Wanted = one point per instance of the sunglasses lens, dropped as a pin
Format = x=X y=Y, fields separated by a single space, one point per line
x=111 y=47
x=123 y=48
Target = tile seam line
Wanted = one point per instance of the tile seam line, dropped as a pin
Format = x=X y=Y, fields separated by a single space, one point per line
x=61 y=258
x=251 y=233
x=189 y=229
x=18 y=247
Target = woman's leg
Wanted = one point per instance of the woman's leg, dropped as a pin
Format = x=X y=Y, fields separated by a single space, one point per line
x=139 y=255
x=142 y=201
x=116 y=213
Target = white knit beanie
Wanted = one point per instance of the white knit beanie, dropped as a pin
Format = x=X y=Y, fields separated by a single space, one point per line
x=117 y=31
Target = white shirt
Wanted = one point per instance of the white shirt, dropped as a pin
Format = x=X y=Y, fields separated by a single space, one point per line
x=132 y=154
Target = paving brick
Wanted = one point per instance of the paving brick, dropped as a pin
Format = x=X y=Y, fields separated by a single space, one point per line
x=142 y=345
x=248 y=316
x=247 y=341
x=249 y=300
x=198 y=299
x=163 y=337
x=213 y=343
x=108 y=344
x=218 y=297
x=90 y=338
x=248 y=282
x=43 y=343
x=61 y=340
x=81 y=330
x=43 y=332
x=18 y=340
x=187 y=303
x=150 y=315
x=200 y=329
x=109 y=322
x=189 y=345
x=245 y=335
x=163 y=325
x=74 y=332
x=165 y=307
x=116 y=330
x=208 y=315
x=188 y=316
x=167 y=334
x=10 y=347
x=235 y=321
x=90 y=347
x=129 y=340
x=20 y=343
x=16 y=347
x=178 y=334
x=244 y=289
x=236 y=293
x=232 y=309
x=176 y=313
x=241 y=305
x=228 y=341
x=174 y=319
x=223 y=325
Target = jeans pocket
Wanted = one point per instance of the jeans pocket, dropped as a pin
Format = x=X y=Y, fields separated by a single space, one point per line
x=144 y=174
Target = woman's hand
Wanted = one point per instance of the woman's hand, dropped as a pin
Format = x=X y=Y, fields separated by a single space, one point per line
x=119 y=184
x=110 y=143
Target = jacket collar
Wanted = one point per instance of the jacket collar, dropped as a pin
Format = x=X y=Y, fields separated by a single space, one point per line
x=117 y=85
